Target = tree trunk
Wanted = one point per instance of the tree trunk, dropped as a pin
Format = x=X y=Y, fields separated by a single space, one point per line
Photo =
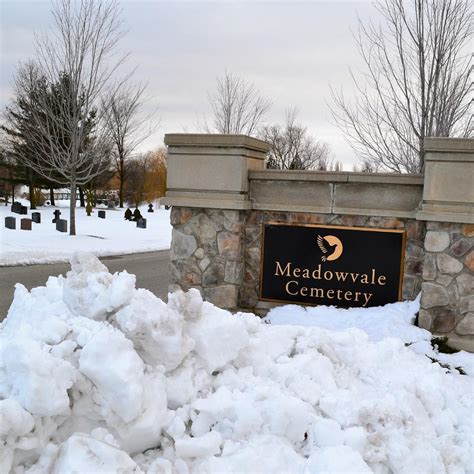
x=51 y=196
x=31 y=187
x=81 y=197
x=121 y=193
x=72 y=210
x=13 y=193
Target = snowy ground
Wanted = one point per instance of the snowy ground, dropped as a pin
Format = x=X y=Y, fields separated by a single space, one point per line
x=112 y=236
x=97 y=376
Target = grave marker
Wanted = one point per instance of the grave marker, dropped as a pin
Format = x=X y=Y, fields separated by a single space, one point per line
x=141 y=223
x=36 y=217
x=61 y=225
x=57 y=213
x=101 y=214
x=25 y=224
x=150 y=207
x=16 y=207
x=10 y=222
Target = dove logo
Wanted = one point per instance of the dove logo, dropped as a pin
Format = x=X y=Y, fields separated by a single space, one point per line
x=330 y=243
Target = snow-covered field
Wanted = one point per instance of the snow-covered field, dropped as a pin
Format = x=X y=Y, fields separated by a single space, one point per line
x=97 y=376
x=102 y=237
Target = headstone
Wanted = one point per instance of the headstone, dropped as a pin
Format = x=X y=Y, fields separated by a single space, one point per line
x=167 y=207
x=128 y=215
x=23 y=210
x=10 y=222
x=137 y=214
x=25 y=224
x=101 y=214
x=150 y=207
x=141 y=223
x=111 y=205
x=16 y=207
x=57 y=213
x=61 y=225
x=36 y=217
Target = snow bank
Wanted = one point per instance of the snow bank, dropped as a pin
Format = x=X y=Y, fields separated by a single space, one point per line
x=97 y=376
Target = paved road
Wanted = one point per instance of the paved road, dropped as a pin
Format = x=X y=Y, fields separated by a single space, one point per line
x=150 y=268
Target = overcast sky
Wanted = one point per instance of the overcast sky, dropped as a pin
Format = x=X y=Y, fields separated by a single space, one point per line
x=292 y=51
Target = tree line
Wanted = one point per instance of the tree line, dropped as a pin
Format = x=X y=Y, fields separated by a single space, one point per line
x=77 y=121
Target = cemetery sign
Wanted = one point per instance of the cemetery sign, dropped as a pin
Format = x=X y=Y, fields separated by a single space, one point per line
x=331 y=265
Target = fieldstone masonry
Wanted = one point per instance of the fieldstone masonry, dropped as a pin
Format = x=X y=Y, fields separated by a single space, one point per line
x=217 y=223
x=207 y=253
x=447 y=302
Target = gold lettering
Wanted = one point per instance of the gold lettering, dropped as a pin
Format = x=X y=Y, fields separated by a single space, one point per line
x=365 y=279
x=304 y=291
x=287 y=286
x=296 y=272
x=306 y=273
x=339 y=294
x=373 y=276
x=356 y=295
x=285 y=272
x=341 y=276
x=332 y=294
x=382 y=278
x=367 y=299
x=347 y=295
x=317 y=272
x=354 y=278
x=319 y=293
x=328 y=277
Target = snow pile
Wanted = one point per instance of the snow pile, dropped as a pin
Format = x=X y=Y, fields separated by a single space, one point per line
x=96 y=376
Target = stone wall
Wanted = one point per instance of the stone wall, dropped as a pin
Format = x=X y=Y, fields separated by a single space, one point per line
x=218 y=251
x=447 y=303
x=207 y=253
x=221 y=195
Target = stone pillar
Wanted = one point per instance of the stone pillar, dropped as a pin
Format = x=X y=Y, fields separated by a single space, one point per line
x=207 y=185
x=447 y=302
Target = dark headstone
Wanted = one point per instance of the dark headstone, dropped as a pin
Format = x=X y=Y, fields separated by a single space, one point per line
x=111 y=204
x=23 y=210
x=128 y=215
x=57 y=213
x=141 y=223
x=150 y=207
x=16 y=207
x=137 y=214
x=61 y=225
x=167 y=207
x=10 y=222
x=101 y=214
x=36 y=217
x=25 y=224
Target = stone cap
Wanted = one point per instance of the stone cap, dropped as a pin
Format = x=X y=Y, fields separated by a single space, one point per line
x=216 y=140
x=337 y=177
x=444 y=144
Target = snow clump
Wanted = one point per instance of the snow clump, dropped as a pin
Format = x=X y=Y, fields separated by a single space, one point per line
x=97 y=376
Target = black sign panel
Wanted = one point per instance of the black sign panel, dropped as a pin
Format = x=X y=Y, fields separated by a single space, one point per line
x=331 y=265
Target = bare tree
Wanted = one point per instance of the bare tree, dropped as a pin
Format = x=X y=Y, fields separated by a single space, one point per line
x=293 y=148
x=127 y=126
x=138 y=171
x=417 y=82
x=237 y=105
x=77 y=59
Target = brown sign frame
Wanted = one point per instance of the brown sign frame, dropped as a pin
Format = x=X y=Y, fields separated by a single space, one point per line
x=324 y=226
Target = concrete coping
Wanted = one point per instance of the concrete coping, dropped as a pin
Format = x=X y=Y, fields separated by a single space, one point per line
x=216 y=140
x=337 y=177
x=443 y=144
